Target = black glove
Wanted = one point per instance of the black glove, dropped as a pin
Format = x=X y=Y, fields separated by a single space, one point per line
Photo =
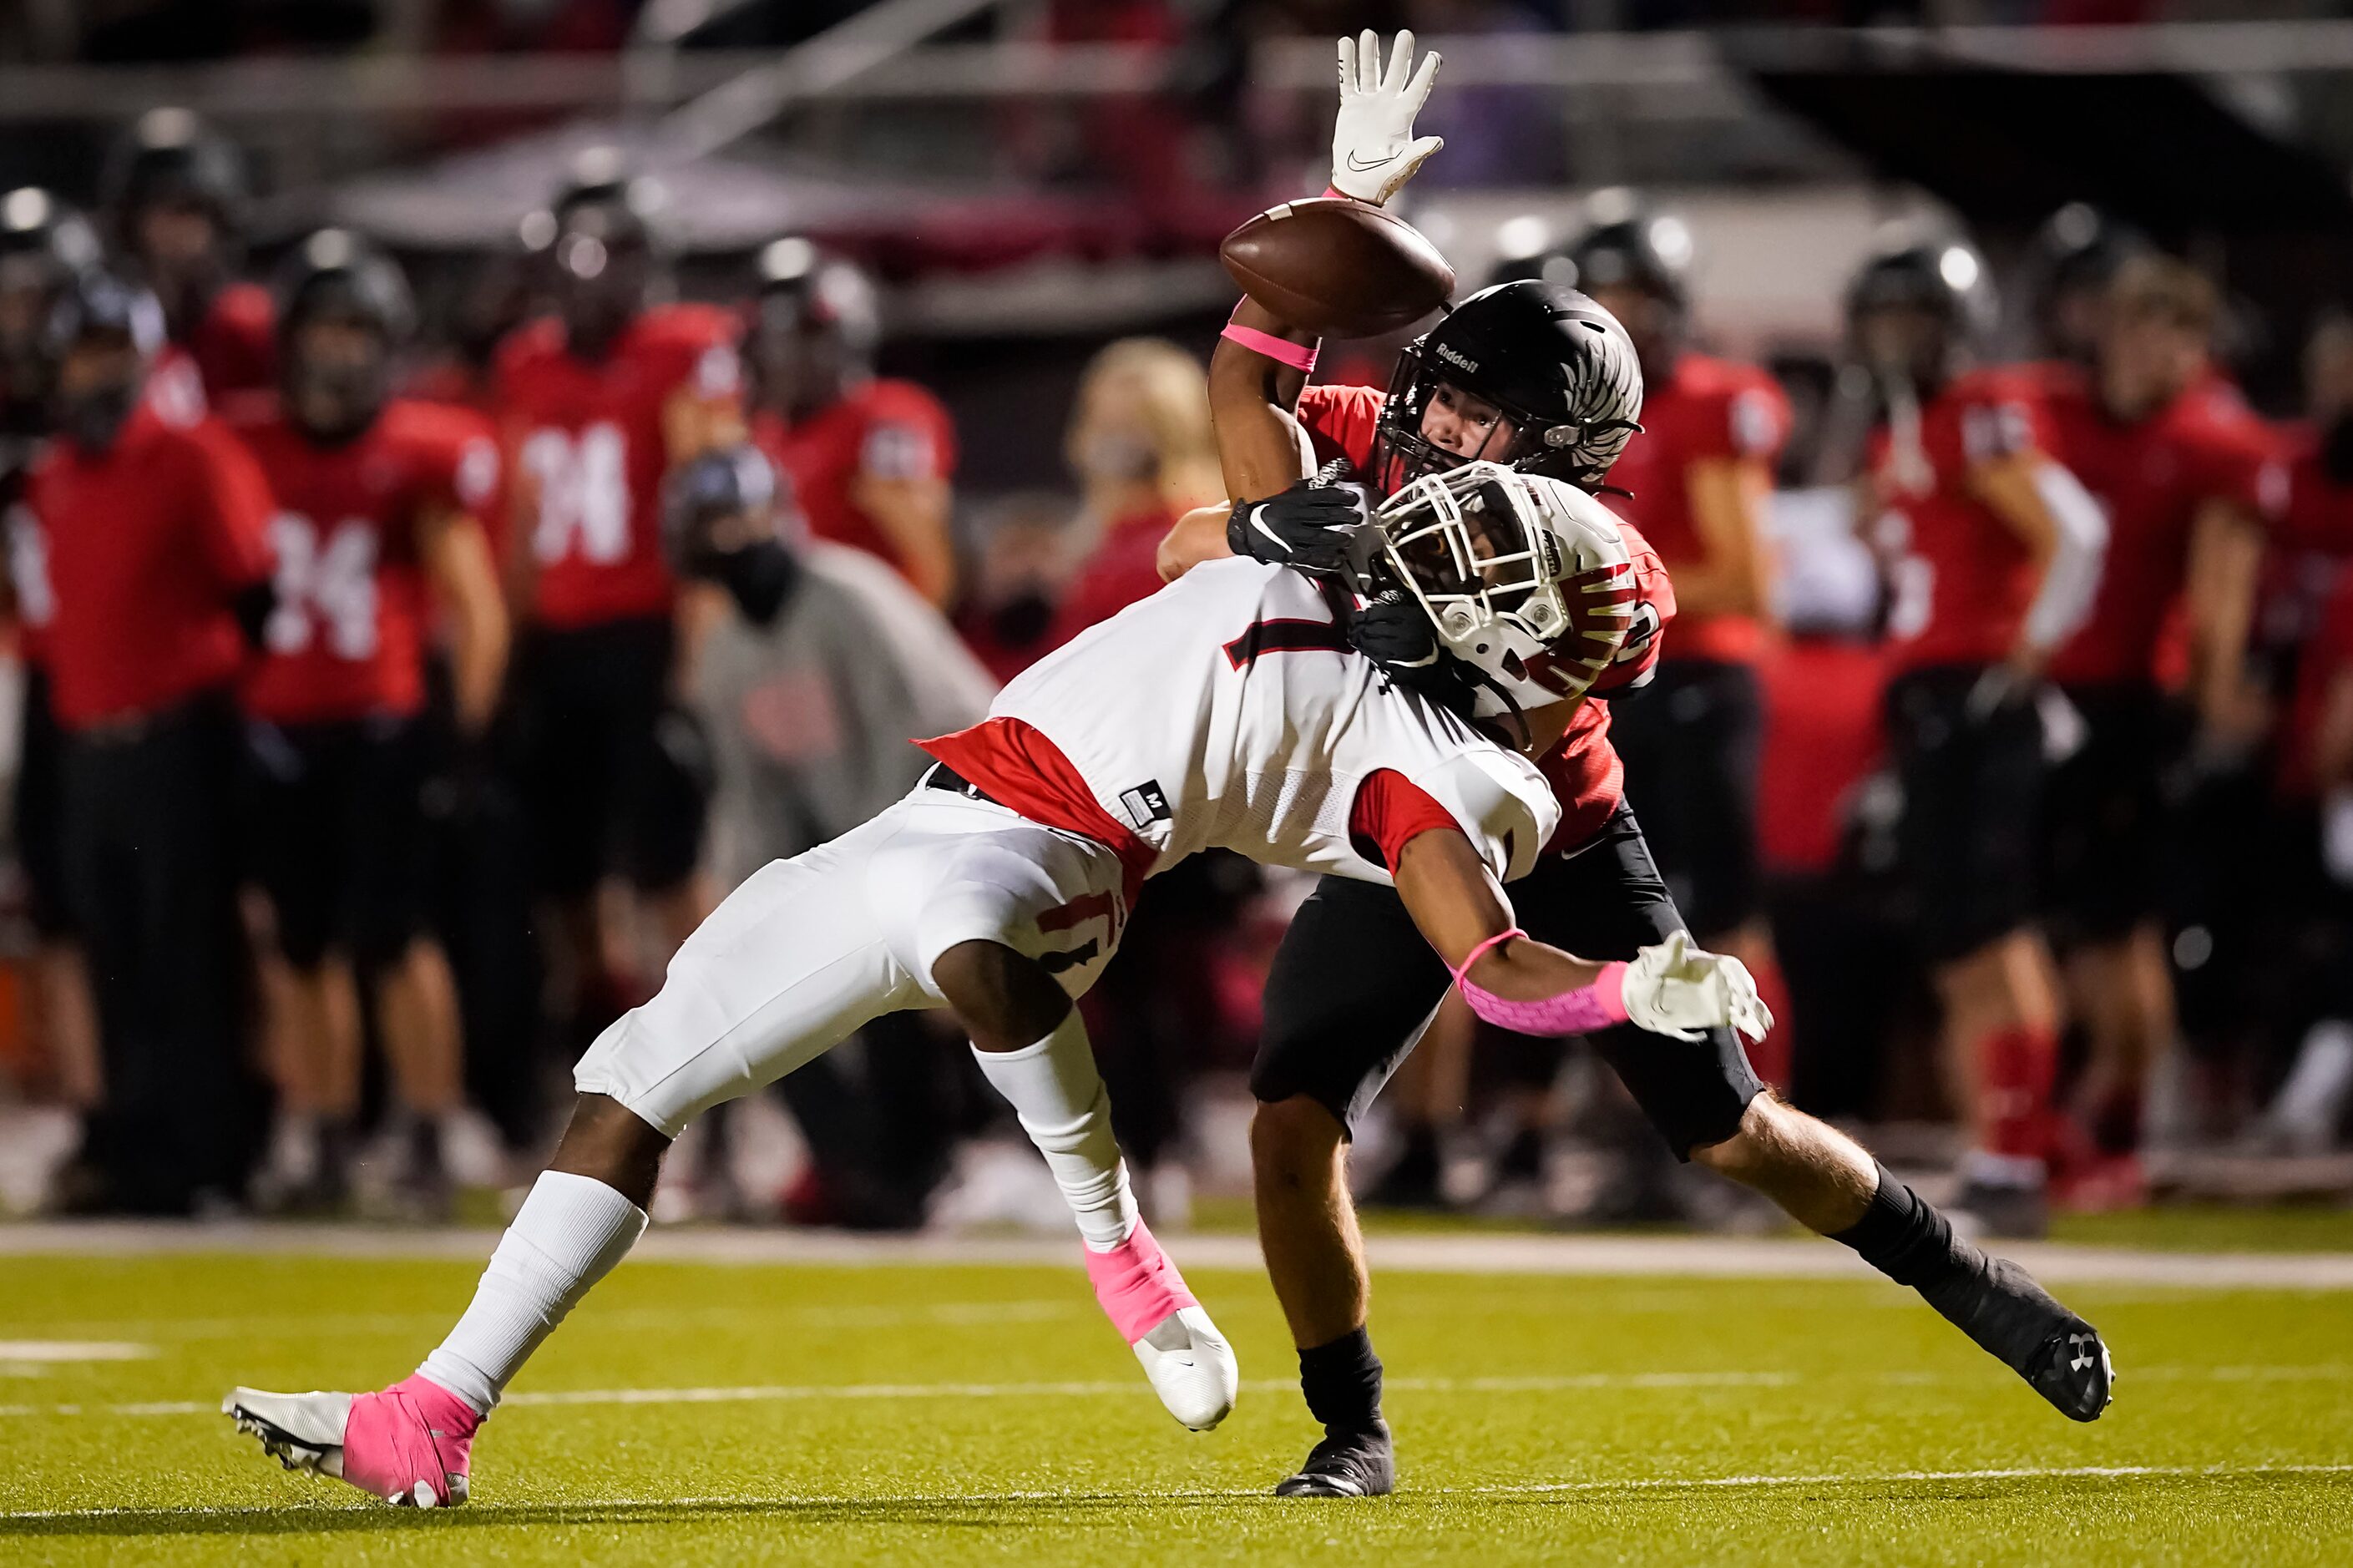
x=1395 y=632
x=1324 y=531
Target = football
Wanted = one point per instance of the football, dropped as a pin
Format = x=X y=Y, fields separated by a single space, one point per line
x=1338 y=267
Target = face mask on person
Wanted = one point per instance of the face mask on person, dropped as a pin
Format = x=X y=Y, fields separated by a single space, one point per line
x=1118 y=455
x=2337 y=448
x=94 y=418
x=1021 y=620
x=760 y=577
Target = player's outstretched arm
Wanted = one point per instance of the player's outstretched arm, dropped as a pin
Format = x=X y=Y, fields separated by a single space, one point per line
x=1519 y=984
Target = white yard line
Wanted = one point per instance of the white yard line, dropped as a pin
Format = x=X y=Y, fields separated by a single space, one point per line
x=1707 y=1257
x=762 y=1394
x=1145 y=1499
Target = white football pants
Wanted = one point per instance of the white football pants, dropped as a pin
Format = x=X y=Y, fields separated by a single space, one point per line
x=809 y=949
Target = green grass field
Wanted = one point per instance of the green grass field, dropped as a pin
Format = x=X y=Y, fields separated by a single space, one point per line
x=694 y=1412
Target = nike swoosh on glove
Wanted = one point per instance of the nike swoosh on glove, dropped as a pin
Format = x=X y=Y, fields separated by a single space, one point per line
x=1395 y=632
x=1373 y=152
x=1673 y=988
x=1324 y=531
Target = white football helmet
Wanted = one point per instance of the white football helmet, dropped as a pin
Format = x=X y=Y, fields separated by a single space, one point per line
x=1526 y=578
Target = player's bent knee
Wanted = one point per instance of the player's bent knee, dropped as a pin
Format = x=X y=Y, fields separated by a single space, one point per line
x=1754 y=1145
x=608 y=1142
x=1294 y=1141
x=1004 y=999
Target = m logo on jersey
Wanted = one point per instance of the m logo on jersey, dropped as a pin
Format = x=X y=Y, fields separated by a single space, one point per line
x=1145 y=804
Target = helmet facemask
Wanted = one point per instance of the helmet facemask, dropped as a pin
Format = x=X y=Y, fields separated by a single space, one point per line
x=1490 y=554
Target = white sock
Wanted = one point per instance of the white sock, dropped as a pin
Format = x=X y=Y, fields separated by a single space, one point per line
x=567 y=1236
x=1054 y=1089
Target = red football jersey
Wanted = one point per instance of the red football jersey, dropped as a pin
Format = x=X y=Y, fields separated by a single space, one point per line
x=1962 y=580
x=1707 y=409
x=347 y=637
x=882 y=429
x=235 y=346
x=128 y=564
x=1584 y=769
x=2328 y=657
x=2151 y=477
x=586 y=442
x=1123 y=569
x=2310 y=509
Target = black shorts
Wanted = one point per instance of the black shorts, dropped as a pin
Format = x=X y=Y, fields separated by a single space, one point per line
x=2109 y=814
x=1691 y=742
x=604 y=795
x=335 y=835
x=1354 y=984
x=39 y=813
x=1970 y=840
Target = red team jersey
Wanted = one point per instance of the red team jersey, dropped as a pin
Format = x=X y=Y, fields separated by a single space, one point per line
x=128 y=565
x=2151 y=477
x=1707 y=409
x=235 y=347
x=881 y=429
x=587 y=442
x=1962 y=580
x=1584 y=769
x=346 y=638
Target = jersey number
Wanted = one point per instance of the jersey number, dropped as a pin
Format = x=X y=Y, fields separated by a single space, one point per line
x=325 y=586
x=583 y=493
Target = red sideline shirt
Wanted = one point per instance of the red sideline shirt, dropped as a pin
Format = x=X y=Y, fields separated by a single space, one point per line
x=140 y=553
x=1823 y=737
x=2152 y=476
x=1123 y=569
x=1706 y=410
x=1584 y=770
x=2327 y=657
x=1962 y=580
x=347 y=637
x=880 y=429
x=586 y=441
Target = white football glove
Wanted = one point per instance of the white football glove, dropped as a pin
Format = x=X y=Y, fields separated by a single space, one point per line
x=1675 y=988
x=1374 y=152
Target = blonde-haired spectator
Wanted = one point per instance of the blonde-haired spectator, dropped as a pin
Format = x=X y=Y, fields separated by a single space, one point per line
x=1139 y=444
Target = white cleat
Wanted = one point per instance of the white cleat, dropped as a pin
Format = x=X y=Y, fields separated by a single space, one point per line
x=1191 y=1367
x=410 y=1444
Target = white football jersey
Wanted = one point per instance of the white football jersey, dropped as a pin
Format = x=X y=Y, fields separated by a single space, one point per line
x=1228 y=711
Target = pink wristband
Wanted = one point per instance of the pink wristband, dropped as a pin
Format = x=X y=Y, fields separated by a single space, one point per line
x=1579 y=1012
x=1336 y=191
x=1479 y=951
x=1298 y=356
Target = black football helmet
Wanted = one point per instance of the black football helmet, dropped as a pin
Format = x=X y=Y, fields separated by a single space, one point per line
x=1645 y=254
x=336 y=390
x=604 y=249
x=1916 y=306
x=43 y=243
x=2074 y=256
x=815 y=327
x=100 y=309
x=1559 y=367
x=171 y=157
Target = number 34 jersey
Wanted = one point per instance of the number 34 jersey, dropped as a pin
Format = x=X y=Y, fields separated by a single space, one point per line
x=1228 y=711
x=346 y=635
x=589 y=447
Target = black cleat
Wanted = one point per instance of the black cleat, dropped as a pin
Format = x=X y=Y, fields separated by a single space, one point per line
x=1346 y=1464
x=2019 y=1324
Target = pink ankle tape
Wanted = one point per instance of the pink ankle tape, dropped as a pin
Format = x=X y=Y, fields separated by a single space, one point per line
x=1298 y=356
x=414 y=1431
x=1578 y=1012
x=1139 y=1289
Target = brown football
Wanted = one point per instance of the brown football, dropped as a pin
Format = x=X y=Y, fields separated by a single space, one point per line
x=1338 y=267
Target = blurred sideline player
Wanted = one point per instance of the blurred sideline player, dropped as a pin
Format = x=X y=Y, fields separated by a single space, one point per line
x=43 y=243
x=1535 y=375
x=1188 y=721
x=143 y=557
x=1697 y=479
x=175 y=196
x=815 y=670
x=600 y=403
x=1992 y=554
x=2074 y=255
x=2184 y=474
x=377 y=526
x=869 y=458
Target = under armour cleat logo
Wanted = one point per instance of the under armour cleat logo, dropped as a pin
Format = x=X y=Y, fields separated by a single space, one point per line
x=2085 y=1348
